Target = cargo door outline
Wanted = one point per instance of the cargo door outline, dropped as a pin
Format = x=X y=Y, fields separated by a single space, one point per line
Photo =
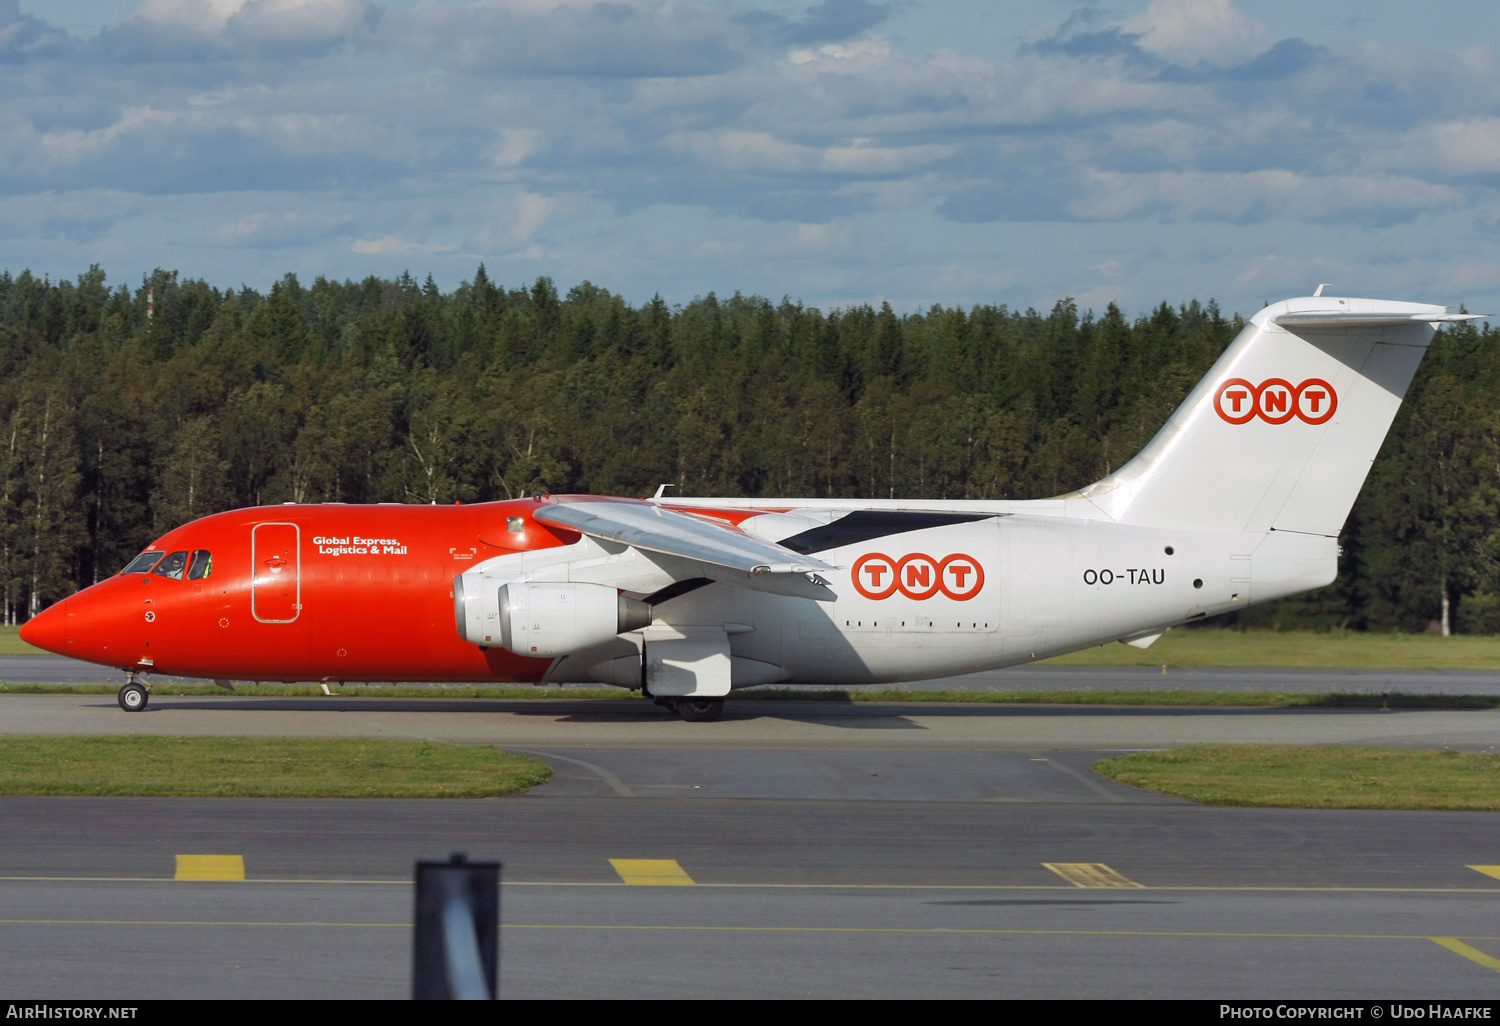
x=265 y=577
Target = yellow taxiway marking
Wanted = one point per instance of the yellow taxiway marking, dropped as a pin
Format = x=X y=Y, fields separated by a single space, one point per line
x=210 y=867
x=1487 y=870
x=182 y=922
x=1090 y=874
x=1448 y=942
x=1458 y=947
x=652 y=872
x=981 y=931
x=376 y=882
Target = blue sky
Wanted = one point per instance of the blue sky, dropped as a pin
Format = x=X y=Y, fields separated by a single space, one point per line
x=837 y=152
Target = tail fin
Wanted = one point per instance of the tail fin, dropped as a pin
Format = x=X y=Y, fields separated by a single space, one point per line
x=1282 y=431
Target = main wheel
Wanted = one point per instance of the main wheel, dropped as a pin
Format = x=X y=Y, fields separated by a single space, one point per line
x=133 y=697
x=700 y=710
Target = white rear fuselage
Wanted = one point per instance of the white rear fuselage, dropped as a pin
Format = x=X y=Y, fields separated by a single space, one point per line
x=1238 y=499
x=1017 y=585
x=1050 y=585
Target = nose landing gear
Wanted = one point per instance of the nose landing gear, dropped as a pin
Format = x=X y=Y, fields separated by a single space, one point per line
x=133 y=695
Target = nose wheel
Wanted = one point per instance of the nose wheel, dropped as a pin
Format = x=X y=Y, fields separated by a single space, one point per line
x=133 y=696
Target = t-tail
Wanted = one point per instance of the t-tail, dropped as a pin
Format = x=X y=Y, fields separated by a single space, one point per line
x=1280 y=434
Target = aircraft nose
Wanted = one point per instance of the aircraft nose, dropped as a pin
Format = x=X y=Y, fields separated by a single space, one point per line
x=48 y=629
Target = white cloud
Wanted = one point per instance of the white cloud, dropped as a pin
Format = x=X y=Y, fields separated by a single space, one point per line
x=1233 y=196
x=718 y=248
x=24 y=36
x=514 y=145
x=507 y=221
x=395 y=244
x=74 y=215
x=820 y=238
x=864 y=51
x=625 y=38
x=532 y=212
x=1470 y=146
x=72 y=145
x=1271 y=271
x=281 y=228
x=639 y=142
x=962 y=279
x=762 y=151
x=1189 y=31
x=291 y=26
x=200 y=28
x=205 y=17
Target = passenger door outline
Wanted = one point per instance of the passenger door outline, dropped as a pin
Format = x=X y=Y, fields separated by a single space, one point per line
x=266 y=577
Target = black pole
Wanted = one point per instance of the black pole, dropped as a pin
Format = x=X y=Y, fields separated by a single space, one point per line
x=456 y=938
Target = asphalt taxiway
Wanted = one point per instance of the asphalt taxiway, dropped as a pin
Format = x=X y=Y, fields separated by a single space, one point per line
x=765 y=725
x=792 y=849
x=49 y=669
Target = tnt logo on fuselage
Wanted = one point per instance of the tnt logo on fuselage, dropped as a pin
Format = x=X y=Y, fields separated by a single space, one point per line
x=1276 y=401
x=917 y=576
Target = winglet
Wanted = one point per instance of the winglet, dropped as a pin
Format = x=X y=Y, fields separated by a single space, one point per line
x=661 y=490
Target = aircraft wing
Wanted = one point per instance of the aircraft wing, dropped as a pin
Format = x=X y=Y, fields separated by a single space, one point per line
x=671 y=533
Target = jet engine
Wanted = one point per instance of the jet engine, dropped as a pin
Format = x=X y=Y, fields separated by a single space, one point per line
x=544 y=620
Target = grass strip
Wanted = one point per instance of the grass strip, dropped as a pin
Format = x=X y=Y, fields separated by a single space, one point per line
x=259 y=767
x=1304 y=650
x=1169 y=699
x=1291 y=776
x=315 y=690
x=1172 y=699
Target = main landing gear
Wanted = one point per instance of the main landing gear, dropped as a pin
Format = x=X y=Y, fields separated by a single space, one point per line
x=133 y=696
x=695 y=710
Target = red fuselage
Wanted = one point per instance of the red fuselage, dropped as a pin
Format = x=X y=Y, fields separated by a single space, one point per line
x=313 y=593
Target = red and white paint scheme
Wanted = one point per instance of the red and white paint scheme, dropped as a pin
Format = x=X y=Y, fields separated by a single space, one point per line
x=1238 y=499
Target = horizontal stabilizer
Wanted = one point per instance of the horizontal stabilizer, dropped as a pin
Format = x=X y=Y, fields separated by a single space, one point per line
x=654 y=529
x=1339 y=319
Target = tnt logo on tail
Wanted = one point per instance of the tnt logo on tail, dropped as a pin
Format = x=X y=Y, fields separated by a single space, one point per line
x=1276 y=401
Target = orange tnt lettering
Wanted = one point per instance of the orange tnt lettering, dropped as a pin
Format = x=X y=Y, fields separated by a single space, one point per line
x=1237 y=396
x=918 y=575
x=961 y=572
x=876 y=572
x=1275 y=401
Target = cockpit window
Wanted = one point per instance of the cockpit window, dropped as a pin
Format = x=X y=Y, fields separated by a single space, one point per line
x=142 y=564
x=202 y=565
x=172 y=566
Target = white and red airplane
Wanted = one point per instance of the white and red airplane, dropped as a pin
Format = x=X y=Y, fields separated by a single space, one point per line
x=1238 y=499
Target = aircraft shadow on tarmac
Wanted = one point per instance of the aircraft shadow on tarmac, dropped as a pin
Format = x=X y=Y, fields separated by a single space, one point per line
x=844 y=714
x=1055 y=901
x=831 y=711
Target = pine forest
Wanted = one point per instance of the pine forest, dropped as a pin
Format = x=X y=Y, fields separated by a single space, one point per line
x=121 y=422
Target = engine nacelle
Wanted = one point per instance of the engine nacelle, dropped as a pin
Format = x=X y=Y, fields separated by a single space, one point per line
x=544 y=620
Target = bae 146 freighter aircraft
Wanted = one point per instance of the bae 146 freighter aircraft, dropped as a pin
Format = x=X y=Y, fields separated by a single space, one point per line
x=1238 y=499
